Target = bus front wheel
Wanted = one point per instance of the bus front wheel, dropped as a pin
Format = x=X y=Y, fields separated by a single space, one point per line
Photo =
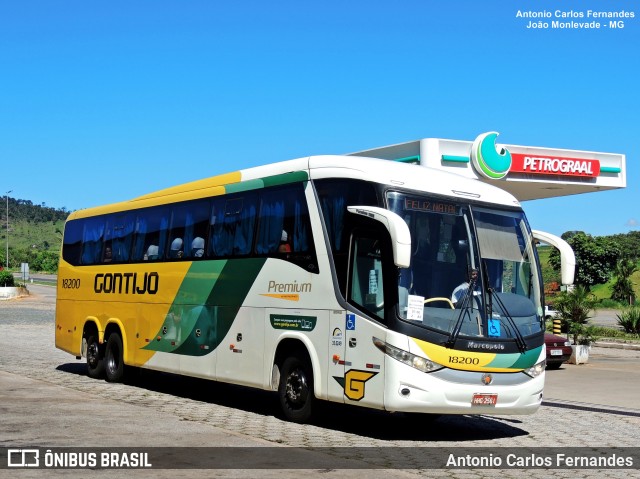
x=113 y=358
x=95 y=363
x=296 y=389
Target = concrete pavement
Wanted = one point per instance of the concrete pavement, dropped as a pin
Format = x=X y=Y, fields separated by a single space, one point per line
x=610 y=379
x=34 y=413
x=46 y=400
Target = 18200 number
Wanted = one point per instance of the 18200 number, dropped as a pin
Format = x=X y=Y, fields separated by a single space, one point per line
x=71 y=283
x=464 y=360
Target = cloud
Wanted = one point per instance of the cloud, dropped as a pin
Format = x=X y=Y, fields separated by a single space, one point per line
x=632 y=223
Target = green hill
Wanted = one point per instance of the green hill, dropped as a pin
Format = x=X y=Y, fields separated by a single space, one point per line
x=34 y=235
x=29 y=235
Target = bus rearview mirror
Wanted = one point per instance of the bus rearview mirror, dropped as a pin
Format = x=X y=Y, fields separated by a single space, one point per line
x=397 y=228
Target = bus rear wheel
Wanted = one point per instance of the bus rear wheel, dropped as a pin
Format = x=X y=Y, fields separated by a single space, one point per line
x=95 y=362
x=113 y=359
x=296 y=389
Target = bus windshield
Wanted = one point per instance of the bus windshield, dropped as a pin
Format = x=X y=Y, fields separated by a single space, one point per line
x=473 y=270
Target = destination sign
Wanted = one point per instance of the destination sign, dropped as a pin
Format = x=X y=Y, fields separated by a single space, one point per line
x=420 y=204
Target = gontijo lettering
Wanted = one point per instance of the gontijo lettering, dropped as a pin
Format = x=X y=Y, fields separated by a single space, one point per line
x=127 y=283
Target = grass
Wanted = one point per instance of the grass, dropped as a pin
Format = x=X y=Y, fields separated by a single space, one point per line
x=601 y=291
x=26 y=234
x=611 y=333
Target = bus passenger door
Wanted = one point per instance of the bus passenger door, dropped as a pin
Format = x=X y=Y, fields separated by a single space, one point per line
x=364 y=366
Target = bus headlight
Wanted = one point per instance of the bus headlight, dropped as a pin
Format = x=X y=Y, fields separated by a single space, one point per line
x=536 y=370
x=405 y=357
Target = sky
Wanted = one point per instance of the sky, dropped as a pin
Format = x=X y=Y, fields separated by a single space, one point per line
x=104 y=101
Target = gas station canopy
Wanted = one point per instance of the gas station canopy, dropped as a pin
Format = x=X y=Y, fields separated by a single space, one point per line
x=527 y=172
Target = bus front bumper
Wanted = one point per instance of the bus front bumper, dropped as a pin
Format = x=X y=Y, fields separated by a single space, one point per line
x=462 y=392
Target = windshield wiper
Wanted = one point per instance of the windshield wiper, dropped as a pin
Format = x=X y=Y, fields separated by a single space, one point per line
x=522 y=345
x=455 y=332
x=520 y=342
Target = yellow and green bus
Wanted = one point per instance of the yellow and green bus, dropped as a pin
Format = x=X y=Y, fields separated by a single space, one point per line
x=323 y=278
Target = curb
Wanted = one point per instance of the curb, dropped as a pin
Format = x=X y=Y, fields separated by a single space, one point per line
x=12 y=292
x=614 y=345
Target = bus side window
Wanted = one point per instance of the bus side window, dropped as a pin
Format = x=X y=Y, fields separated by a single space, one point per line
x=217 y=244
x=284 y=226
x=122 y=237
x=72 y=247
x=271 y=226
x=107 y=247
x=232 y=226
x=189 y=224
x=92 y=238
x=284 y=221
x=244 y=228
x=150 y=241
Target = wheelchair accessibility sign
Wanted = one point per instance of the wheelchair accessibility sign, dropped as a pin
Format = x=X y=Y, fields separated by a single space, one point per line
x=351 y=322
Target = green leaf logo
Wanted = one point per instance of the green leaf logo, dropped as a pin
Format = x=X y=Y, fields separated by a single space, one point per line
x=487 y=160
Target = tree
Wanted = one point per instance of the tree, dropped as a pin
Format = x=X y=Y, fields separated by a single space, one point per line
x=628 y=243
x=573 y=309
x=622 y=289
x=595 y=258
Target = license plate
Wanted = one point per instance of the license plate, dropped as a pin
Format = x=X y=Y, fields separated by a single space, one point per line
x=556 y=352
x=484 y=399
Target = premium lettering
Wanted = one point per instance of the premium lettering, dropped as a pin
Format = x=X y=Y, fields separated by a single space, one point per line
x=295 y=287
x=126 y=283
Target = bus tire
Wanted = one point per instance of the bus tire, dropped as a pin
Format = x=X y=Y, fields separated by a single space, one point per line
x=95 y=361
x=295 y=390
x=113 y=359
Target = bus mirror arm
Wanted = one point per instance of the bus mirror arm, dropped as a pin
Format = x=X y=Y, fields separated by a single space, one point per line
x=397 y=228
x=567 y=257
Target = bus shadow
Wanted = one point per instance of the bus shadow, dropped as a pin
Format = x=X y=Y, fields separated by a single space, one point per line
x=201 y=390
x=416 y=427
x=79 y=369
x=363 y=422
